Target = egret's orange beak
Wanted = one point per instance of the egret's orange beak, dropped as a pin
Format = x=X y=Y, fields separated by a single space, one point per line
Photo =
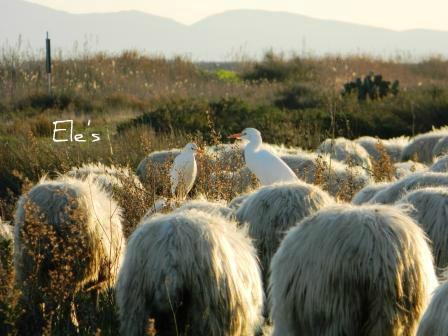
x=200 y=151
x=234 y=136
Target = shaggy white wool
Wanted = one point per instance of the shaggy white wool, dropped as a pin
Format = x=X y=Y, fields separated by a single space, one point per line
x=271 y=211
x=195 y=266
x=394 y=191
x=430 y=211
x=435 y=319
x=422 y=146
x=368 y=192
x=346 y=151
x=351 y=270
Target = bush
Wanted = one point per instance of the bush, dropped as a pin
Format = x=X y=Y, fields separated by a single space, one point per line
x=298 y=97
x=227 y=76
x=226 y=114
x=59 y=101
x=275 y=68
x=120 y=100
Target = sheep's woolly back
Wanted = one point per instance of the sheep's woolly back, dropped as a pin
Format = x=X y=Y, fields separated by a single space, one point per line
x=78 y=228
x=422 y=146
x=430 y=210
x=106 y=177
x=121 y=184
x=155 y=164
x=195 y=266
x=92 y=168
x=441 y=165
x=435 y=319
x=241 y=180
x=394 y=191
x=441 y=147
x=367 y=193
x=272 y=210
x=282 y=149
x=393 y=147
x=227 y=154
x=237 y=201
x=346 y=151
x=403 y=169
x=351 y=270
x=370 y=145
x=213 y=208
x=325 y=171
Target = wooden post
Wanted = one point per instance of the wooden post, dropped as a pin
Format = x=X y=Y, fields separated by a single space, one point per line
x=48 y=62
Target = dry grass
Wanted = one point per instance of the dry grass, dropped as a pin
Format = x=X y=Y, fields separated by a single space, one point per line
x=383 y=169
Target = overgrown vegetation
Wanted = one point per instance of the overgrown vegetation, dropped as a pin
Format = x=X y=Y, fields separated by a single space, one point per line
x=139 y=104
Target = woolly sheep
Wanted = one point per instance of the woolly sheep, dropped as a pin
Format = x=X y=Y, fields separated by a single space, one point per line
x=282 y=149
x=195 y=267
x=351 y=270
x=153 y=169
x=430 y=210
x=403 y=169
x=435 y=319
x=421 y=147
x=367 y=193
x=201 y=204
x=235 y=203
x=393 y=147
x=346 y=151
x=370 y=145
x=441 y=165
x=240 y=181
x=394 y=191
x=78 y=228
x=272 y=210
x=106 y=177
x=441 y=147
x=227 y=155
x=325 y=171
x=122 y=185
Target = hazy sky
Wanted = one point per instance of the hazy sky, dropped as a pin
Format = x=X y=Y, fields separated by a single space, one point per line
x=394 y=14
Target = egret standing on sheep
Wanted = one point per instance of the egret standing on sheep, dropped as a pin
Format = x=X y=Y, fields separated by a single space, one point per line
x=183 y=172
x=267 y=166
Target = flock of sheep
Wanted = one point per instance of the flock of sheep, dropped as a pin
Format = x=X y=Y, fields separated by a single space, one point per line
x=287 y=254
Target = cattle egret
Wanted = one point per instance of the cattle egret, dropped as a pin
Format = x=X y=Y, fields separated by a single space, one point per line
x=267 y=166
x=183 y=172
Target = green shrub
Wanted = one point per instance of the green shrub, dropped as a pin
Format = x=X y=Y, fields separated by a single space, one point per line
x=227 y=76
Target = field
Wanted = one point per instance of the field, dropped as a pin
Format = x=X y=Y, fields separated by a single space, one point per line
x=139 y=104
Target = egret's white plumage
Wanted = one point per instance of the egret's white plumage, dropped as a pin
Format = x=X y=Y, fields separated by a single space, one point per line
x=183 y=171
x=268 y=167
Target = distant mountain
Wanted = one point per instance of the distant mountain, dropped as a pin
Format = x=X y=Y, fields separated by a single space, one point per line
x=218 y=37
